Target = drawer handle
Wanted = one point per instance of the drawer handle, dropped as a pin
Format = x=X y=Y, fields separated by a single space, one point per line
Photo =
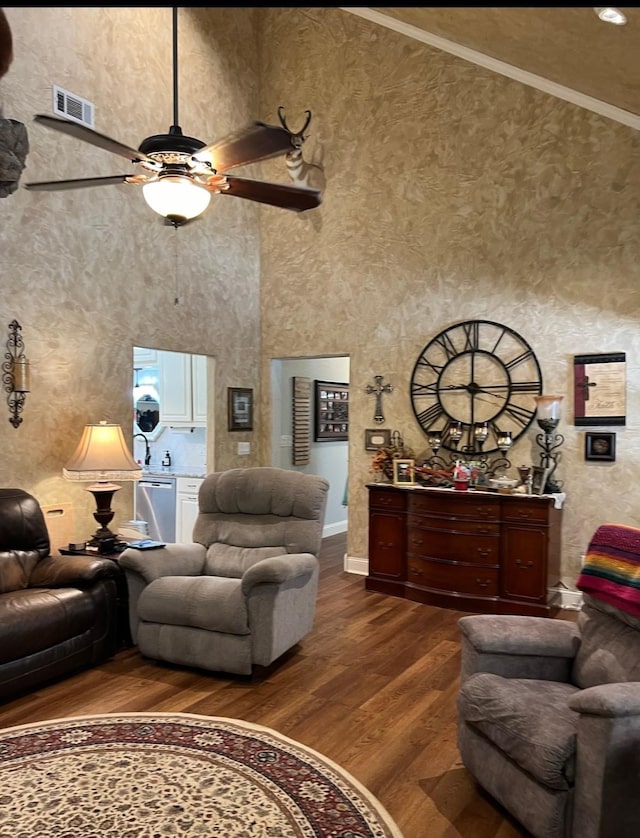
x=524 y=514
x=483 y=584
x=415 y=571
x=485 y=551
x=387 y=545
x=483 y=530
x=523 y=565
x=417 y=540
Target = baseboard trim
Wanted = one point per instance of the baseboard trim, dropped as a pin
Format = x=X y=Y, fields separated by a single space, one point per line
x=335 y=529
x=354 y=564
x=565 y=598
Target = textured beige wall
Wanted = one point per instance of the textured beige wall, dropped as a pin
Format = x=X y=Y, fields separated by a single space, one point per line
x=452 y=193
x=89 y=273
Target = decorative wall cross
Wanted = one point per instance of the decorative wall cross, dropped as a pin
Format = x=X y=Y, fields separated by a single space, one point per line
x=378 y=389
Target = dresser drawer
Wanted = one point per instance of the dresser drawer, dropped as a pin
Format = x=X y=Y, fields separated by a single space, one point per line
x=452 y=578
x=386 y=499
x=456 y=505
x=526 y=510
x=454 y=524
x=454 y=547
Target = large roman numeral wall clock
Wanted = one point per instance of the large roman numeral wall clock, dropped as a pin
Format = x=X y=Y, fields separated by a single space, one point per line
x=475 y=383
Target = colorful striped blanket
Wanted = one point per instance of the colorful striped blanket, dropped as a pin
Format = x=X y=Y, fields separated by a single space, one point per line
x=611 y=570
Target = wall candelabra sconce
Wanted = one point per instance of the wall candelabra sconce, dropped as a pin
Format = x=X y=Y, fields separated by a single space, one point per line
x=453 y=434
x=15 y=373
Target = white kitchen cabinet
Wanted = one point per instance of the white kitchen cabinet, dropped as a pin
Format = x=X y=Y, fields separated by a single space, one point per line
x=183 y=389
x=143 y=356
x=186 y=507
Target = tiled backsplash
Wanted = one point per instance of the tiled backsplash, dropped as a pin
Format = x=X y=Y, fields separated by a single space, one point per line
x=188 y=449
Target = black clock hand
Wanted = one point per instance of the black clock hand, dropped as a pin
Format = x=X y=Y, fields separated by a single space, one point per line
x=474 y=391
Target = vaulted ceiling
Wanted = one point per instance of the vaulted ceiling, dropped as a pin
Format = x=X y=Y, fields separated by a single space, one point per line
x=568 y=47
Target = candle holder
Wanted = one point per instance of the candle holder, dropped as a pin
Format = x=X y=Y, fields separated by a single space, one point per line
x=548 y=418
x=15 y=373
x=471 y=453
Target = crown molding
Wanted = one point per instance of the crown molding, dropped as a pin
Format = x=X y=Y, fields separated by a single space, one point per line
x=501 y=67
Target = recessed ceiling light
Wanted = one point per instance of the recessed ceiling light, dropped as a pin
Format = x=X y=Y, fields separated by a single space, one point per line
x=611 y=15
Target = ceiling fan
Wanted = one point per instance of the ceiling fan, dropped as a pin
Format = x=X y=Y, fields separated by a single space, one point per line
x=179 y=174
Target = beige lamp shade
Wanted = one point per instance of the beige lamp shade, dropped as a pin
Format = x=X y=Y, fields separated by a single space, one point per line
x=102 y=454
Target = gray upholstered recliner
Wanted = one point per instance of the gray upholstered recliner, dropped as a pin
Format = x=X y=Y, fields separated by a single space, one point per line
x=245 y=591
x=549 y=710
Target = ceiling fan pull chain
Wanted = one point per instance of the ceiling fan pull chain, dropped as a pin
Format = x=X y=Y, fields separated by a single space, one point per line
x=176 y=298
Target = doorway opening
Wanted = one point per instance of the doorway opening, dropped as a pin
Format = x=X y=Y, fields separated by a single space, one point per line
x=328 y=457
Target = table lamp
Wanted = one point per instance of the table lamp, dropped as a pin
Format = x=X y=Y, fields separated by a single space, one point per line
x=102 y=455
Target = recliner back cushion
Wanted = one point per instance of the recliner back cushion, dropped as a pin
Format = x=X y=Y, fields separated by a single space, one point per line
x=230 y=561
x=609 y=649
x=258 y=507
x=24 y=538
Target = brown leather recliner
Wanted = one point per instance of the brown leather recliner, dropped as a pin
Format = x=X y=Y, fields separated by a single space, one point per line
x=57 y=613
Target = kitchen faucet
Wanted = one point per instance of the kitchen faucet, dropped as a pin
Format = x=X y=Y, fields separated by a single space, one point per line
x=147 y=449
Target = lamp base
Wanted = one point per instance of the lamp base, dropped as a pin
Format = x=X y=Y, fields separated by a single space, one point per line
x=103 y=493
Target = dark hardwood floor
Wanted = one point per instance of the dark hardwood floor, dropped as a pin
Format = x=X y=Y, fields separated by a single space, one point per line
x=373 y=687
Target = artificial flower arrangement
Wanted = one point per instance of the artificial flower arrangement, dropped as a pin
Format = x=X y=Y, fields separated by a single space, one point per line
x=382 y=466
x=382 y=461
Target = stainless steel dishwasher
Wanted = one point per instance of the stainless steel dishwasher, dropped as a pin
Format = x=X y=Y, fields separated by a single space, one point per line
x=156 y=504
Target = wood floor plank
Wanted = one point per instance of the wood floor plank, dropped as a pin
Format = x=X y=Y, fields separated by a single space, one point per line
x=373 y=687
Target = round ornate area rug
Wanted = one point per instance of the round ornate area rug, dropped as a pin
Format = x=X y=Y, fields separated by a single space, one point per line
x=150 y=775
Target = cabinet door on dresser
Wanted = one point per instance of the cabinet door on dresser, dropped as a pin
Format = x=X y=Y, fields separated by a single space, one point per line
x=530 y=549
x=386 y=534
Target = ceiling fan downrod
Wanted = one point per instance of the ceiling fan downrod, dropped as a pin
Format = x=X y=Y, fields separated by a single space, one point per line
x=176 y=123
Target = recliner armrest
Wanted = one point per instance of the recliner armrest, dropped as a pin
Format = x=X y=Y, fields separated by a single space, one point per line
x=171 y=560
x=279 y=569
x=609 y=700
x=76 y=571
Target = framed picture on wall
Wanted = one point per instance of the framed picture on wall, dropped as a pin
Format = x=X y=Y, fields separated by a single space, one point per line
x=240 y=409
x=376 y=438
x=600 y=446
x=331 y=414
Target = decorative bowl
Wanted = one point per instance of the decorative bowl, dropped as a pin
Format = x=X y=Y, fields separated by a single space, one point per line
x=503 y=483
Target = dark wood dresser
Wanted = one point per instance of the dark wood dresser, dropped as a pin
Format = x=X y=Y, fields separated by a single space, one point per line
x=472 y=551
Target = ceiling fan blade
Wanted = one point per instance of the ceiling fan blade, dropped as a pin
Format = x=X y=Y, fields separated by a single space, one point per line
x=88 y=135
x=256 y=142
x=292 y=198
x=80 y=183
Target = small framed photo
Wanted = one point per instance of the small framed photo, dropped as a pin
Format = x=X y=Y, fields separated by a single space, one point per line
x=240 y=409
x=375 y=438
x=600 y=446
x=404 y=472
x=539 y=479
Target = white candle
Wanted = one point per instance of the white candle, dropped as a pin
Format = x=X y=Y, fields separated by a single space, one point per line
x=21 y=375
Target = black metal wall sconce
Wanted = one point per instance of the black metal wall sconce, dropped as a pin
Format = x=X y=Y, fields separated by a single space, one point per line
x=15 y=373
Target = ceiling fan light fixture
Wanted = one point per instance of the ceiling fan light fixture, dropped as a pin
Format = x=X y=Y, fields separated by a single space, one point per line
x=176 y=197
x=609 y=14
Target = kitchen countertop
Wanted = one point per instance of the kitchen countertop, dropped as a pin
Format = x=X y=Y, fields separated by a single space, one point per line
x=172 y=473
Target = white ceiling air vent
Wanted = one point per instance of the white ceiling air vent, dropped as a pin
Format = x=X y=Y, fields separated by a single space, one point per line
x=72 y=107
